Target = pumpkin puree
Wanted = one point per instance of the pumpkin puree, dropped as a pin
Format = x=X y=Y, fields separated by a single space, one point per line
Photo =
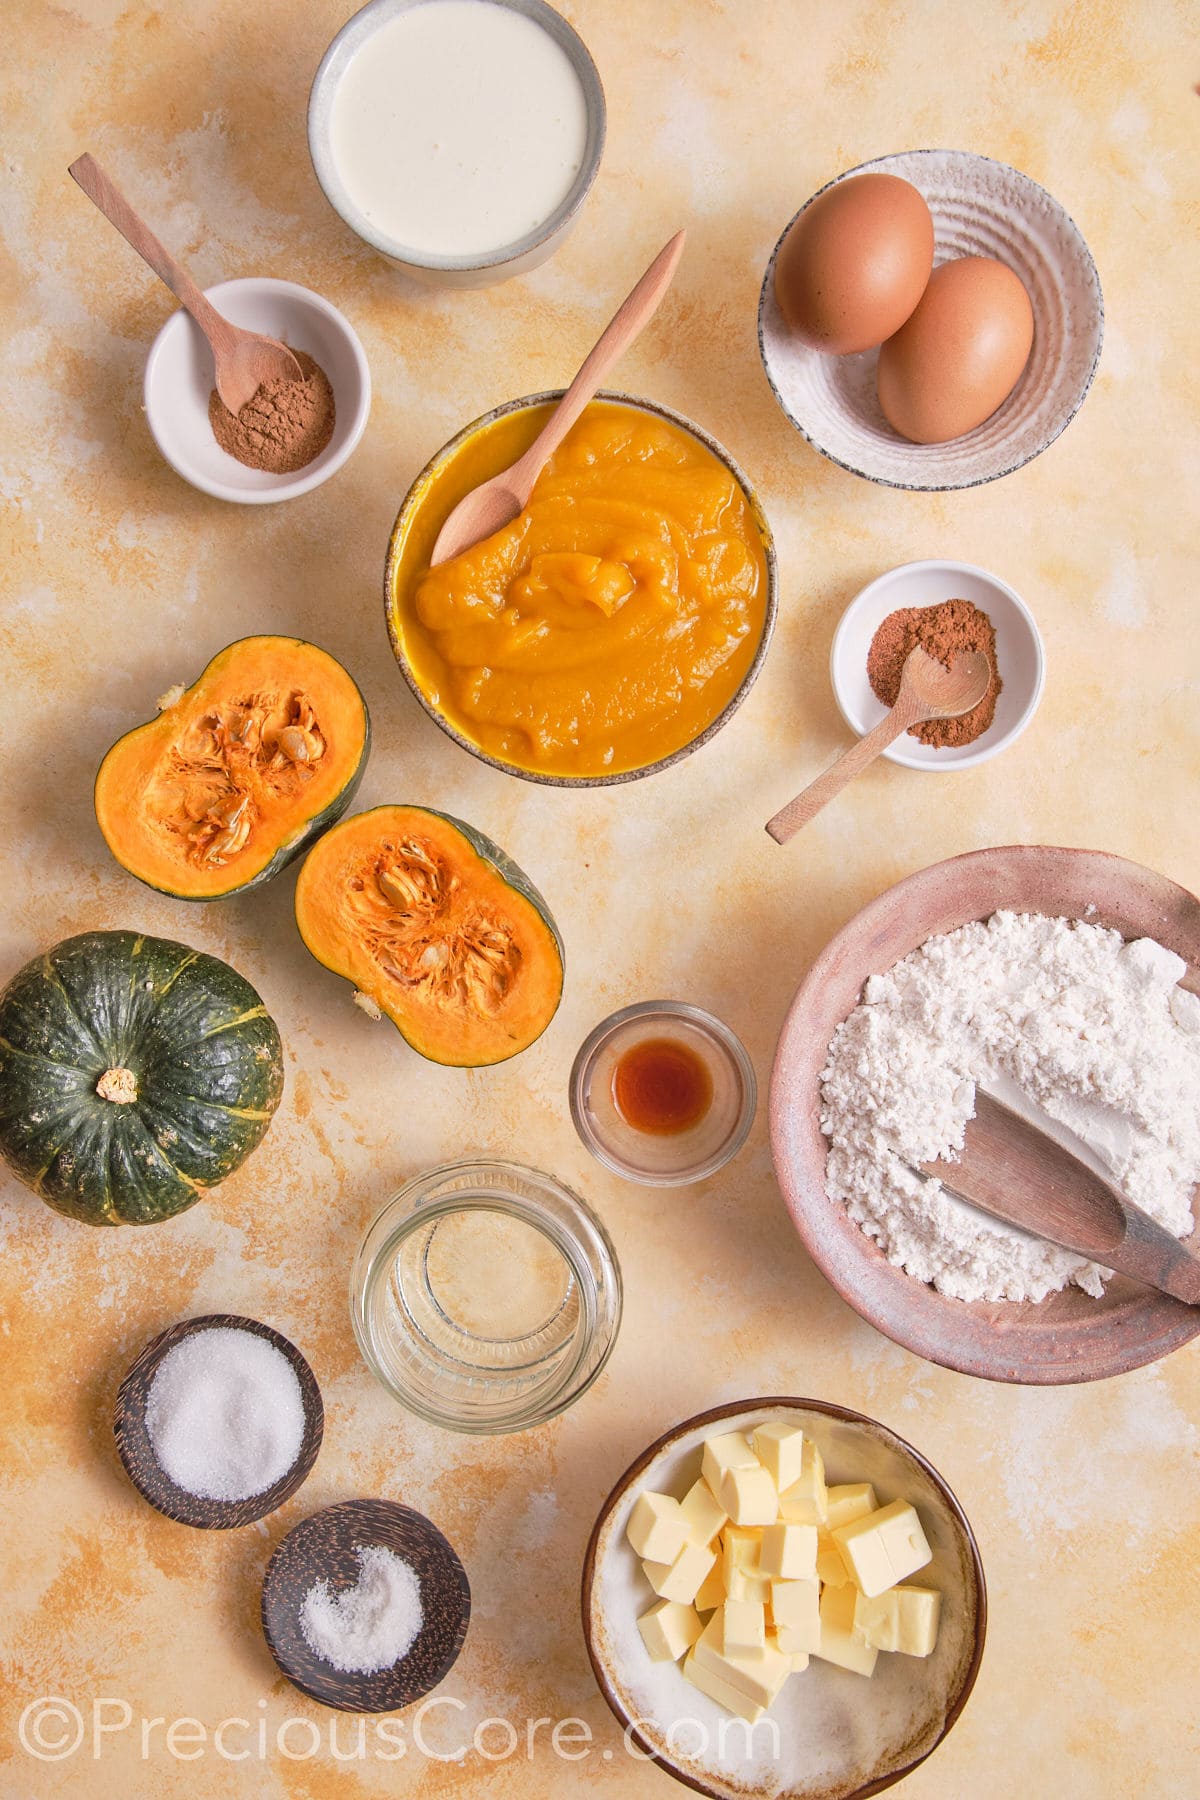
x=610 y=623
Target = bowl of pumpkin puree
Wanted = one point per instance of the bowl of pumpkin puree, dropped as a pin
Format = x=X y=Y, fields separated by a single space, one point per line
x=610 y=629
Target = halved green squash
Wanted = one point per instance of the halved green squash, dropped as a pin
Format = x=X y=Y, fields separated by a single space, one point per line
x=238 y=773
x=437 y=928
x=134 y=1073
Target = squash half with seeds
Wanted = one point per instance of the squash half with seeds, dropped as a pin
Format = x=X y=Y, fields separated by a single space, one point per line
x=437 y=928
x=134 y=1074
x=238 y=773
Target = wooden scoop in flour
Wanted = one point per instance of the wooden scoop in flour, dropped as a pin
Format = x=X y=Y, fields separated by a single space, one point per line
x=1015 y=1172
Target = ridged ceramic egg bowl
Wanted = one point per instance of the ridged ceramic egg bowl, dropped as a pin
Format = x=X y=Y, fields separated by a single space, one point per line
x=980 y=208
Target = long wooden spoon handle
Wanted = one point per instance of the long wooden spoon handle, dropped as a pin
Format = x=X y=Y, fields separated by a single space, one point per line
x=631 y=318
x=104 y=193
x=818 y=793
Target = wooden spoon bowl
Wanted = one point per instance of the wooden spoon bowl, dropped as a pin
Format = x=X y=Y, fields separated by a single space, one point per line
x=1069 y=1336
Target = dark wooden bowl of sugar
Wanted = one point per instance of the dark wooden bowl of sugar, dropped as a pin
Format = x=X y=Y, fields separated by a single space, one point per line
x=325 y=1549
x=136 y=1450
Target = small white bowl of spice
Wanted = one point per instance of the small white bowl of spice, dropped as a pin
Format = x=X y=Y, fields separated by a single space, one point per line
x=946 y=608
x=292 y=435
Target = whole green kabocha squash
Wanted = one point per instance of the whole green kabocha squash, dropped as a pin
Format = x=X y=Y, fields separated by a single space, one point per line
x=134 y=1074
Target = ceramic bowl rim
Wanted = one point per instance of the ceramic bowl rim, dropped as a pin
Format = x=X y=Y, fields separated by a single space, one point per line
x=969 y=756
x=912 y=1331
x=770 y=606
x=714 y=1416
x=303 y=481
x=361 y=25
x=883 y=165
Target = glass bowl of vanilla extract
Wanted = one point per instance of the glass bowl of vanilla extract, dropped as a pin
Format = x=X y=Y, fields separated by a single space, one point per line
x=663 y=1093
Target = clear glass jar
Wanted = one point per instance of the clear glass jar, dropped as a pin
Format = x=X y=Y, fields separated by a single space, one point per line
x=485 y=1297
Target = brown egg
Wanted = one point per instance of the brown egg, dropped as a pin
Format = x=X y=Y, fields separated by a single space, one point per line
x=855 y=263
x=959 y=356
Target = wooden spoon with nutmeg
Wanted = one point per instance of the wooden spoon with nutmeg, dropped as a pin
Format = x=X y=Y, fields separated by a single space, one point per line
x=243 y=359
x=928 y=690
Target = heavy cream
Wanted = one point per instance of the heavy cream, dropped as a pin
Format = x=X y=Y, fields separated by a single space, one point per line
x=458 y=128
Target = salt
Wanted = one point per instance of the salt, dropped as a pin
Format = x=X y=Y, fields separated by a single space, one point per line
x=370 y=1626
x=224 y=1414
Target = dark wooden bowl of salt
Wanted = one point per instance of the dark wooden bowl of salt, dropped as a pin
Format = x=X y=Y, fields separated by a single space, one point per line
x=325 y=1549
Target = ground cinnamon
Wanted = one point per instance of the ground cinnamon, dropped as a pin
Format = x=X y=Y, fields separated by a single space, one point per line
x=284 y=427
x=945 y=631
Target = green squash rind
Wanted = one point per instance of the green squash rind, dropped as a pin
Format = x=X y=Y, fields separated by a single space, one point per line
x=195 y=1033
x=303 y=840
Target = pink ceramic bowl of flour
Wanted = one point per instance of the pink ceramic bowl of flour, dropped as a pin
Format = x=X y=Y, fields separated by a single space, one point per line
x=1070 y=1336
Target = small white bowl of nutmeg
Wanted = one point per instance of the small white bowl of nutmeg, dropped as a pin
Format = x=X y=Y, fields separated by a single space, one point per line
x=293 y=435
x=931 y=320
x=946 y=607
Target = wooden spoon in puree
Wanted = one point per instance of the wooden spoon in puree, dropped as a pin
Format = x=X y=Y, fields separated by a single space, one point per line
x=497 y=501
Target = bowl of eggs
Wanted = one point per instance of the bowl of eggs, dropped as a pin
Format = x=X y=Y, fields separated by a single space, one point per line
x=931 y=320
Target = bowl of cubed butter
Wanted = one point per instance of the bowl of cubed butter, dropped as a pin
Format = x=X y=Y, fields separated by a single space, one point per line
x=783 y=1598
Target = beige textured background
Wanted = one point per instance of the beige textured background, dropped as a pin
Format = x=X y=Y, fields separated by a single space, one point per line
x=121 y=579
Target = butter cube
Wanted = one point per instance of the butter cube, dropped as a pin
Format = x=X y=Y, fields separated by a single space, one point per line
x=830 y=1567
x=780 y=1450
x=681 y=1578
x=745 y=1627
x=657 y=1528
x=789 y=1552
x=883 y=1547
x=758 y=1677
x=850 y=1501
x=710 y=1682
x=903 y=1619
x=778 y=1640
x=744 y=1579
x=711 y=1591
x=729 y=1450
x=703 y=1511
x=839 y=1644
x=806 y=1502
x=749 y=1496
x=669 y=1630
x=795 y=1609
x=747 y=1584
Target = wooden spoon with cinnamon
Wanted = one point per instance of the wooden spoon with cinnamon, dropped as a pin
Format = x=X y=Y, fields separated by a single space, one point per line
x=243 y=359
x=928 y=690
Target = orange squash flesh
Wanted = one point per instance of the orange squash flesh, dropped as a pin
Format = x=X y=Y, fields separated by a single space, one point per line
x=238 y=772
x=435 y=927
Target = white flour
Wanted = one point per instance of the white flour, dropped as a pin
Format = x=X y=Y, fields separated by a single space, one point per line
x=1062 y=1018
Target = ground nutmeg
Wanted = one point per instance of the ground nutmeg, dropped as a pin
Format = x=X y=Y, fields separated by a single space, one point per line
x=944 y=631
x=284 y=426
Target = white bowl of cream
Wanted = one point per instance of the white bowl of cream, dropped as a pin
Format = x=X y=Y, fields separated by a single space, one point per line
x=457 y=137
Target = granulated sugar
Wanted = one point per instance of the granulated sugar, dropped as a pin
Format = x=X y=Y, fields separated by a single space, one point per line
x=225 y=1415
x=370 y=1626
x=1064 y=1019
